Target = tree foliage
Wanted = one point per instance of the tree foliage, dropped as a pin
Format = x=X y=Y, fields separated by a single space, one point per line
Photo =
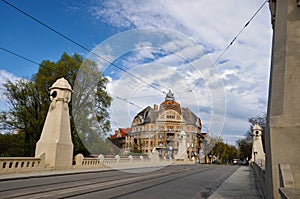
x=224 y=152
x=12 y=144
x=29 y=102
x=245 y=148
x=215 y=146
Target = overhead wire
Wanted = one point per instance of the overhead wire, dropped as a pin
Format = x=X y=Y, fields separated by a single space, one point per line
x=111 y=63
x=126 y=100
x=240 y=32
x=25 y=58
x=81 y=46
x=18 y=55
x=34 y=62
x=234 y=39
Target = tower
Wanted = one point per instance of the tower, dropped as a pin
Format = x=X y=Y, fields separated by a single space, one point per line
x=258 y=154
x=55 y=140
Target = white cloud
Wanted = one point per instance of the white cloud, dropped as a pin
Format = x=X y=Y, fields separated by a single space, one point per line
x=4 y=77
x=244 y=68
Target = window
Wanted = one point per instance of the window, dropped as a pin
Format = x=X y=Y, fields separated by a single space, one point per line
x=170 y=127
x=170 y=116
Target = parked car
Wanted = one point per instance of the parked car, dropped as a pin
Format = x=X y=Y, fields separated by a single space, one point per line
x=235 y=161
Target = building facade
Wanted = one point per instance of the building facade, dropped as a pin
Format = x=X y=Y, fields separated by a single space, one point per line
x=118 y=139
x=159 y=128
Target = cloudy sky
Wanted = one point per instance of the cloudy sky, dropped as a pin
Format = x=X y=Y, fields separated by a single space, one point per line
x=161 y=45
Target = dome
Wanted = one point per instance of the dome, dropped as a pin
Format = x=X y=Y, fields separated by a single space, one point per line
x=61 y=83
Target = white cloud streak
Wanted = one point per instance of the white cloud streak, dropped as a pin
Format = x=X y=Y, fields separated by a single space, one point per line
x=244 y=68
x=4 y=77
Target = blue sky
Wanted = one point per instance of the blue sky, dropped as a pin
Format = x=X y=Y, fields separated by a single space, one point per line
x=28 y=38
x=100 y=25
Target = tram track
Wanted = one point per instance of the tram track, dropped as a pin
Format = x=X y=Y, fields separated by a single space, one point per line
x=70 y=188
x=112 y=184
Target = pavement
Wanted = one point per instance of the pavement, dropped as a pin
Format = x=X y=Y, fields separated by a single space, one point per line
x=241 y=184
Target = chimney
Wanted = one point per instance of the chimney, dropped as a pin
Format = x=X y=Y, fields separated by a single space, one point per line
x=155 y=107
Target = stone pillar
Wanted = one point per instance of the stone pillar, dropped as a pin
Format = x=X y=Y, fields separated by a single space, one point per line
x=282 y=139
x=182 y=149
x=55 y=140
x=258 y=154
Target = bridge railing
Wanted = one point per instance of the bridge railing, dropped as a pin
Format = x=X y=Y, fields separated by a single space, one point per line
x=82 y=162
x=9 y=165
x=259 y=170
x=21 y=164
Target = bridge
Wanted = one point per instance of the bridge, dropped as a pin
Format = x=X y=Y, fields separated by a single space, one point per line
x=62 y=175
x=173 y=181
x=55 y=173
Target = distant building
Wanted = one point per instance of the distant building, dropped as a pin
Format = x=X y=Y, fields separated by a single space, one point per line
x=159 y=128
x=119 y=137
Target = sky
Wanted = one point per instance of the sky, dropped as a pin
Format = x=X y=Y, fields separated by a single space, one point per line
x=162 y=45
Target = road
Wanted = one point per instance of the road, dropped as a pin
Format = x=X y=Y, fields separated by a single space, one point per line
x=180 y=181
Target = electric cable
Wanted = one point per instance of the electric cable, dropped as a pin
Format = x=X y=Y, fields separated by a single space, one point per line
x=32 y=61
x=80 y=45
x=234 y=39
x=18 y=55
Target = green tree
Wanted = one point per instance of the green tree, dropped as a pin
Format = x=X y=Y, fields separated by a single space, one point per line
x=11 y=145
x=29 y=101
x=245 y=148
x=224 y=152
x=215 y=146
x=26 y=113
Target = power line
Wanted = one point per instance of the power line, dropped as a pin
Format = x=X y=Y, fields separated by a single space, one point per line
x=234 y=39
x=25 y=58
x=240 y=32
x=18 y=55
x=32 y=61
x=126 y=100
x=80 y=45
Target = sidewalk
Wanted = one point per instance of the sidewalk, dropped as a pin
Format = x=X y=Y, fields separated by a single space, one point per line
x=241 y=184
x=5 y=177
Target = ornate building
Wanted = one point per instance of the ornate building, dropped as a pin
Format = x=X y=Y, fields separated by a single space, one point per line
x=159 y=128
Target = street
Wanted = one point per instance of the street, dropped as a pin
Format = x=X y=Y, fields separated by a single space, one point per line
x=181 y=181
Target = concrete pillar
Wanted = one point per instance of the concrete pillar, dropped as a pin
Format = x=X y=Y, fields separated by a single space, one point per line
x=283 y=128
x=55 y=140
x=258 y=154
x=182 y=148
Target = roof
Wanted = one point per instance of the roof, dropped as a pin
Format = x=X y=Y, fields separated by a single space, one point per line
x=149 y=115
x=121 y=133
x=61 y=83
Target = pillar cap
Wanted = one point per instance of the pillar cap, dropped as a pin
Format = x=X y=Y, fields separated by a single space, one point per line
x=256 y=127
x=61 y=83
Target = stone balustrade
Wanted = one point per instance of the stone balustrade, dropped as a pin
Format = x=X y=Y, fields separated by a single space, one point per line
x=259 y=170
x=9 y=165
x=22 y=164
x=118 y=162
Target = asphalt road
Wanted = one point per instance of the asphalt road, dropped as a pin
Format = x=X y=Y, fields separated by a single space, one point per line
x=181 y=181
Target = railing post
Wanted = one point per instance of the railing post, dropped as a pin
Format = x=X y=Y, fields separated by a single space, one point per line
x=79 y=159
